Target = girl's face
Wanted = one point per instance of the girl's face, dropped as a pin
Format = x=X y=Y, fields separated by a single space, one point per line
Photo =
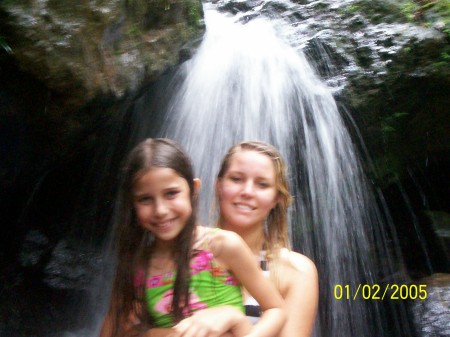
x=247 y=192
x=162 y=203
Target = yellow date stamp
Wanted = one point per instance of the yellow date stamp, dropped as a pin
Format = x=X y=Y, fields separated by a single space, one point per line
x=381 y=292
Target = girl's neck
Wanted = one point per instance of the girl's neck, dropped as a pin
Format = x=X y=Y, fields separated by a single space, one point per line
x=253 y=237
x=162 y=249
x=255 y=240
x=162 y=259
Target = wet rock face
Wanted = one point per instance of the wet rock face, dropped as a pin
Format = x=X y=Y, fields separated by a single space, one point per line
x=83 y=49
x=345 y=38
x=433 y=314
x=387 y=61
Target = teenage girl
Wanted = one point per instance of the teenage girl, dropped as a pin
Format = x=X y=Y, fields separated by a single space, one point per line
x=253 y=197
x=168 y=268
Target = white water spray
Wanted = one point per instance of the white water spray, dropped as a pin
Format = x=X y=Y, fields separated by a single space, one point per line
x=246 y=83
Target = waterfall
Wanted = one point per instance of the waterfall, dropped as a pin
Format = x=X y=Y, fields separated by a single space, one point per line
x=250 y=80
x=247 y=82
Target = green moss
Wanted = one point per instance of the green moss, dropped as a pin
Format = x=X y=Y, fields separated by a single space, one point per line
x=409 y=9
x=321 y=5
x=391 y=123
x=7 y=3
x=133 y=30
x=354 y=8
x=194 y=13
x=4 y=45
x=428 y=13
x=440 y=221
x=376 y=11
x=388 y=169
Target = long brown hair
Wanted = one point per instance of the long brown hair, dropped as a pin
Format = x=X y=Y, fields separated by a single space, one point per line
x=133 y=242
x=276 y=234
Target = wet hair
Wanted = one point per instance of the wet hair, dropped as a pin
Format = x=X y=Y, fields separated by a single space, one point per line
x=134 y=242
x=276 y=232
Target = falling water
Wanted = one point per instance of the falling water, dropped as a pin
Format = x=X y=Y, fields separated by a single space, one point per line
x=250 y=81
x=247 y=82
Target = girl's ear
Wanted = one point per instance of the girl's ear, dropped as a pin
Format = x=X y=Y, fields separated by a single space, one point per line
x=197 y=185
x=218 y=186
x=276 y=201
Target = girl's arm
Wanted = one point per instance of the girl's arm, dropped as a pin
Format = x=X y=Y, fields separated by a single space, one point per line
x=231 y=252
x=126 y=324
x=211 y=322
x=201 y=331
x=301 y=294
x=220 y=321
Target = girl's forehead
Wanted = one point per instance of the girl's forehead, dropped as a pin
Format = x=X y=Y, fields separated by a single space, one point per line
x=157 y=176
x=251 y=161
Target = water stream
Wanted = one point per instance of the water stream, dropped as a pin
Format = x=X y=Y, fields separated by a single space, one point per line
x=248 y=81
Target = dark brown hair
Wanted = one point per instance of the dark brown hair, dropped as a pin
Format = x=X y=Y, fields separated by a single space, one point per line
x=133 y=242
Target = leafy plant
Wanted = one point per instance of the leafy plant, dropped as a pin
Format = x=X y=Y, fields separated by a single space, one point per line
x=428 y=12
x=409 y=9
x=4 y=45
x=390 y=123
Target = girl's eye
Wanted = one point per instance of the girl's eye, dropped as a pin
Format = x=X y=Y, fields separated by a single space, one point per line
x=172 y=194
x=144 y=199
x=263 y=184
x=235 y=179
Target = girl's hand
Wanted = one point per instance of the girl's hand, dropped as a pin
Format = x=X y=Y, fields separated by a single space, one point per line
x=219 y=321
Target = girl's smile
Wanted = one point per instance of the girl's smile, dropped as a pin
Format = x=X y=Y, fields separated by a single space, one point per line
x=162 y=203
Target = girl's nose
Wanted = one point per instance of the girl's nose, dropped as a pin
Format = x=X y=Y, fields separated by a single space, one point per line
x=248 y=188
x=160 y=209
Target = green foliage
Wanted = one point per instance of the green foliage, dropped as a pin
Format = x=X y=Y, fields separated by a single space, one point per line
x=428 y=13
x=443 y=9
x=445 y=56
x=194 y=13
x=133 y=30
x=388 y=168
x=7 y=3
x=320 y=5
x=424 y=12
x=354 y=8
x=391 y=123
x=442 y=65
x=376 y=10
x=4 y=45
x=440 y=221
x=409 y=9
x=388 y=165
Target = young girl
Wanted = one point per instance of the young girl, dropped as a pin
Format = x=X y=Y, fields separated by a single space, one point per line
x=169 y=269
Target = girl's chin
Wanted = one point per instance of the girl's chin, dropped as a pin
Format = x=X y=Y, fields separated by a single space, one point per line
x=241 y=224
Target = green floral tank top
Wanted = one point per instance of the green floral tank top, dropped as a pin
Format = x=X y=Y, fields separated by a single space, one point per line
x=210 y=286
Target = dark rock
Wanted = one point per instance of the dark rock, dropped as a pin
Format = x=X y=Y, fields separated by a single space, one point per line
x=34 y=247
x=72 y=266
x=94 y=49
x=239 y=6
x=433 y=313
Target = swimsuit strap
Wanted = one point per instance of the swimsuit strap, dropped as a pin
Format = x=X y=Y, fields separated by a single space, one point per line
x=263 y=263
x=252 y=308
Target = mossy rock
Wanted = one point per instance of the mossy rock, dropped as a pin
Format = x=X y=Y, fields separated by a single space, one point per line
x=85 y=49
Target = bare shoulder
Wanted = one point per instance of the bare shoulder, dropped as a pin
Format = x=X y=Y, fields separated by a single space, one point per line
x=299 y=273
x=222 y=241
x=200 y=236
x=297 y=262
x=299 y=286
